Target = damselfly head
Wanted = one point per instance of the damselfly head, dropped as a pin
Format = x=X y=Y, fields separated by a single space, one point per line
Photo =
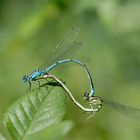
x=25 y=78
x=86 y=96
x=96 y=100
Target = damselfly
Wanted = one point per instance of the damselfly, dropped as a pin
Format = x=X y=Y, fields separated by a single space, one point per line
x=62 y=48
x=95 y=101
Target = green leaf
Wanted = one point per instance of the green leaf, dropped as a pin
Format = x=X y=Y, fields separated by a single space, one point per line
x=54 y=132
x=2 y=137
x=35 y=111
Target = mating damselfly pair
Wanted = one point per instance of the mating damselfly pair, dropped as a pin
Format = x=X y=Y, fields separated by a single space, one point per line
x=66 y=46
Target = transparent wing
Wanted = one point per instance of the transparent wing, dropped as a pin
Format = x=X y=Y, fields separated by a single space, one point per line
x=64 y=48
x=128 y=111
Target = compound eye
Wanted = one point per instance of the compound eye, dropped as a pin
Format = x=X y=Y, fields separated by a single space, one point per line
x=25 y=78
x=86 y=94
x=36 y=70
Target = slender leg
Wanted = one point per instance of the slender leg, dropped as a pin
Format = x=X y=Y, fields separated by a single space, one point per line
x=91 y=115
x=38 y=83
x=29 y=85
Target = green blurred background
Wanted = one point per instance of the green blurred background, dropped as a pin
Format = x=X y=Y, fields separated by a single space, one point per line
x=110 y=32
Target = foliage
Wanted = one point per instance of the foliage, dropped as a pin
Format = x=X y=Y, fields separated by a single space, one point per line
x=2 y=137
x=54 y=132
x=34 y=112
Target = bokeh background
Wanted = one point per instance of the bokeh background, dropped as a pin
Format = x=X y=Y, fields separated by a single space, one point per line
x=110 y=32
